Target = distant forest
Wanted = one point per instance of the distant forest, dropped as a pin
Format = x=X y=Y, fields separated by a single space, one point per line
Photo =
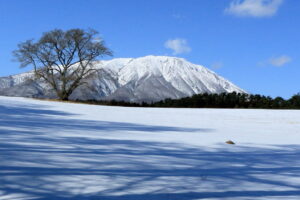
x=223 y=100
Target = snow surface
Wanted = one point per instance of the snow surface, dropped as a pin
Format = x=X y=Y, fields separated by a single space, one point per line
x=52 y=150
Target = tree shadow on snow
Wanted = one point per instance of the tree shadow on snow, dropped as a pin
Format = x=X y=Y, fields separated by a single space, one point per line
x=33 y=117
x=36 y=165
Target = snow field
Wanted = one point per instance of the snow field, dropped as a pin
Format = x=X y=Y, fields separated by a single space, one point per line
x=52 y=150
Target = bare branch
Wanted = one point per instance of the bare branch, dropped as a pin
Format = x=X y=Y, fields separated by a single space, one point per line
x=63 y=59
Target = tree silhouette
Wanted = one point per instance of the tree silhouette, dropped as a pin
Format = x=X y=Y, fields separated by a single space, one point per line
x=63 y=59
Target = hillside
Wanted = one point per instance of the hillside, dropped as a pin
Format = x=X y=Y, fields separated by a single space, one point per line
x=149 y=79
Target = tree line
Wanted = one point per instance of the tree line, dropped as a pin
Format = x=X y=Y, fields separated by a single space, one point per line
x=223 y=100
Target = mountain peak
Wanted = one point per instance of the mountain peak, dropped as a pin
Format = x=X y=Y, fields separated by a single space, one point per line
x=148 y=78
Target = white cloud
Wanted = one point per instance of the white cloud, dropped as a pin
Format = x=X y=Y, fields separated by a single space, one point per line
x=178 y=46
x=280 y=61
x=254 y=8
x=98 y=39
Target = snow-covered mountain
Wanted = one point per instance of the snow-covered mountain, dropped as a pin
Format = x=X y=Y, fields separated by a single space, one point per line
x=150 y=78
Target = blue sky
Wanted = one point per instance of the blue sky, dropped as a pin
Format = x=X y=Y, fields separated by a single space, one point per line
x=253 y=43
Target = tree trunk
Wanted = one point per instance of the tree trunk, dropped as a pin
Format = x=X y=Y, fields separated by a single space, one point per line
x=63 y=96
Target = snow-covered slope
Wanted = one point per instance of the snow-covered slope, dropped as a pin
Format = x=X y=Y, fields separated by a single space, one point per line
x=52 y=150
x=149 y=78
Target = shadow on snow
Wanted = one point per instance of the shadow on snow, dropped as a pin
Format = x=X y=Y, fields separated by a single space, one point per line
x=36 y=118
x=36 y=164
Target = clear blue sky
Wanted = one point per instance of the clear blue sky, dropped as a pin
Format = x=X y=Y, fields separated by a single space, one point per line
x=253 y=43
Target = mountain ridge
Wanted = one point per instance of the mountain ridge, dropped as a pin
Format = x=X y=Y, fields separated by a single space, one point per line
x=150 y=78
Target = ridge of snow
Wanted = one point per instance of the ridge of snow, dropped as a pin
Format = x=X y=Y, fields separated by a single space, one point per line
x=171 y=68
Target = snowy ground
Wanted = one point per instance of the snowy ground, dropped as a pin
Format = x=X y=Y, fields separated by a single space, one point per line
x=51 y=150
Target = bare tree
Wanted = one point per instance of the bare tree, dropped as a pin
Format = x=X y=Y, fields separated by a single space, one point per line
x=63 y=59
